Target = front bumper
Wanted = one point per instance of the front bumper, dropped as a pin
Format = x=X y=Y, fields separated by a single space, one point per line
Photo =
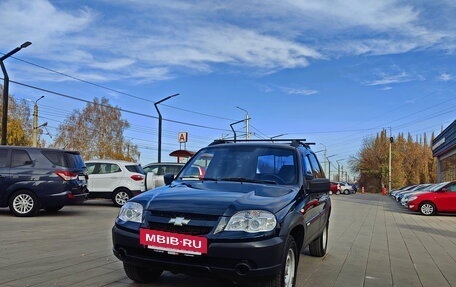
x=237 y=261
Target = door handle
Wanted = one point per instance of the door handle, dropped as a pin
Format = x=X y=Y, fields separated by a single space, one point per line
x=309 y=205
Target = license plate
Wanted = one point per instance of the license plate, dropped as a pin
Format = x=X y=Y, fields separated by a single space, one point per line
x=173 y=242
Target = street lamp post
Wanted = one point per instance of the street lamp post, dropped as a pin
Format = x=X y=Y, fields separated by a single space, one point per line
x=6 y=89
x=35 y=122
x=160 y=124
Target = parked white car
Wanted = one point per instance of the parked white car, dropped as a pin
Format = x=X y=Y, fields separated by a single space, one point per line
x=346 y=188
x=115 y=179
x=156 y=172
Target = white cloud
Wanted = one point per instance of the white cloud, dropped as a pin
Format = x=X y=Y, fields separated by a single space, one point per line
x=445 y=77
x=305 y=92
x=159 y=38
x=386 y=79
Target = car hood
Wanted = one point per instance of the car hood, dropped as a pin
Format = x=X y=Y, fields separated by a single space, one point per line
x=218 y=198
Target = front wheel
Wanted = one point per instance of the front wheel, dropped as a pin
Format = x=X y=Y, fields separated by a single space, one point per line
x=141 y=274
x=319 y=245
x=120 y=197
x=427 y=208
x=287 y=276
x=24 y=203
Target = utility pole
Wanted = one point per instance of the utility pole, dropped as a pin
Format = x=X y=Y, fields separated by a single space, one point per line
x=35 y=122
x=324 y=159
x=247 y=132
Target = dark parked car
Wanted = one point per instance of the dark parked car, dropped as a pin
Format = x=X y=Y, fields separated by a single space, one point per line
x=247 y=220
x=39 y=178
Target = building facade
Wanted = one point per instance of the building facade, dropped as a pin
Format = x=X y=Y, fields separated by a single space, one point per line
x=444 y=149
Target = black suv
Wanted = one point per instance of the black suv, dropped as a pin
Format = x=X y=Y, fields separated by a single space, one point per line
x=258 y=205
x=40 y=178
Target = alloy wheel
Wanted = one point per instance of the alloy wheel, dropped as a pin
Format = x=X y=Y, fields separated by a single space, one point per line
x=290 y=266
x=122 y=197
x=23 y=203
x=427 y=209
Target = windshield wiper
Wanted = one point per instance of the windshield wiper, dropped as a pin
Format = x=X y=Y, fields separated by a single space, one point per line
x=209 y=179
x=243 y=179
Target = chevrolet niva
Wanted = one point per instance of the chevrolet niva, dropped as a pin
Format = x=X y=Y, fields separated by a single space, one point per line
x=247 y=220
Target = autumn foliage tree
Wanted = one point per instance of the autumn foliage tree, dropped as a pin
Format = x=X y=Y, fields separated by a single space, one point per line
x=19 y=128
x=97 y=132
x=412 y=162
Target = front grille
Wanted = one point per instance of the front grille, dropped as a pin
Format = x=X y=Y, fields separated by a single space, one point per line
x=186 y=229
x=199 y=224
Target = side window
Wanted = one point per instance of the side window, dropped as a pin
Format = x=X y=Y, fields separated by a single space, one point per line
x=452 y=187
x=307 y=168
x=3 y=157
x=20 y=158
x=103 y=168
x=91 y=168
x=115 y=168
x=316 y=168
x=154 y=169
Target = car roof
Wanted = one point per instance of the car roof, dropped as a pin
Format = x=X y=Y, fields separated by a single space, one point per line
x=165 y=163
x=282 y=143
x=110 y=161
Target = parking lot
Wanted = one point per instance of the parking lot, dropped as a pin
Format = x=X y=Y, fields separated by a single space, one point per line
x=372 y=242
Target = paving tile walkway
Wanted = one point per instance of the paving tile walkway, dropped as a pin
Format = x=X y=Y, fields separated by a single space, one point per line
x=372 y=242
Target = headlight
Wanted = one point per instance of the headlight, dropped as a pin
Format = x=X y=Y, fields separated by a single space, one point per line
x=412 y=198
x=250 y=221
x=131 y=211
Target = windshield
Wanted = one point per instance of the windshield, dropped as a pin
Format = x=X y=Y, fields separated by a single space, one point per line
x=243 y=163
x=438 y=186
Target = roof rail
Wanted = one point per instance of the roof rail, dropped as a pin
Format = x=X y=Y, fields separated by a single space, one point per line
x=293 y=142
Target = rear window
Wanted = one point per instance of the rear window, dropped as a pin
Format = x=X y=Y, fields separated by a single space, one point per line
x=135 y=168
x=74 y=160
x=64 y=158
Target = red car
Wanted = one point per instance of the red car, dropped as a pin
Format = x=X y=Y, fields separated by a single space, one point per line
x=333 y=187
x=440 y=199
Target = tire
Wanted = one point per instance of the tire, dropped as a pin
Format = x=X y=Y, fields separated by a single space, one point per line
x=346 y=191
x=287 y=275
x=318 y=247
x=427 y=208
x=141 y=274
x=121 y=196
x=24 y=203
x=53 y=208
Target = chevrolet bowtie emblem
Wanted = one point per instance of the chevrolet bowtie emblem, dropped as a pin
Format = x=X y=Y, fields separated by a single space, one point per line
x=179 y=221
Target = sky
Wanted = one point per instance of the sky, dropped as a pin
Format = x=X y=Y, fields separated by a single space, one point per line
x=333 y=72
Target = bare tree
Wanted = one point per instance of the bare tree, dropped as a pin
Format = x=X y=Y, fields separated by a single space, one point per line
x=97 y=132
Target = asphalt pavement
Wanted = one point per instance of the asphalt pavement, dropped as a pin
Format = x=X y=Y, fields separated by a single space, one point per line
x=373 y=241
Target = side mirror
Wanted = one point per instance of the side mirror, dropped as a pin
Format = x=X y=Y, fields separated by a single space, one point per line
x=168 y=178
x=319 y=185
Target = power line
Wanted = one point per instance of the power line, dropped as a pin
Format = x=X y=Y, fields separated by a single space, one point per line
x=114 y=90
x=120 y=109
